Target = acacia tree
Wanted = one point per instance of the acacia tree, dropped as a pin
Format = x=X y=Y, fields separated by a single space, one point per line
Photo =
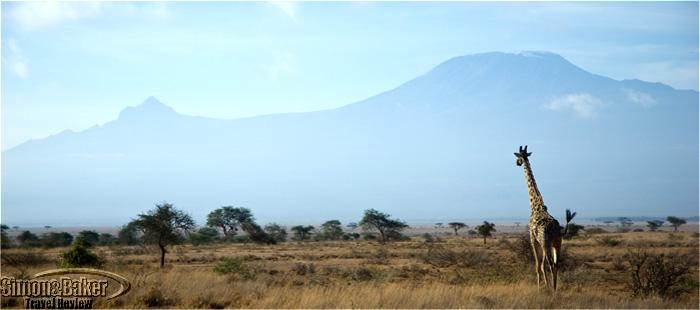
x=128 y=235
x=302 y=232
x=375 y=220
x=625 y=222
x=4 y=239
x=229 y=219
x=89 y=238
x=675 y=222
x=276 y=232
x=332 y=230
x=654 y=225
x=164 y=226
x=486 y=229
x=457 y=226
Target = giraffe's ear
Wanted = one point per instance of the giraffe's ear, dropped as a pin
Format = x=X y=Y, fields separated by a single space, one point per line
x=517 y=154
x=528 y=154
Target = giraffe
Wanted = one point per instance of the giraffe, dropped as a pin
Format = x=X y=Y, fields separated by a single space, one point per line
x=545 y=231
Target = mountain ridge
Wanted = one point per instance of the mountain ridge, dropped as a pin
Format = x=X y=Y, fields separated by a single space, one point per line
x=444 y=139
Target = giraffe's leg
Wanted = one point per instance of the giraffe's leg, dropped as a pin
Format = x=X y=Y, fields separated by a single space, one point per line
x=551 y=264
x=537 y=260
x=542 y=265
x=555 y=267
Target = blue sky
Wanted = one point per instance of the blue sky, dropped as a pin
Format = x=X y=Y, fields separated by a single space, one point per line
x=74 y=65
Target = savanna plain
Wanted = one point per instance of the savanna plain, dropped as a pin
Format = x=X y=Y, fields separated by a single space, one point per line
x=602 y=268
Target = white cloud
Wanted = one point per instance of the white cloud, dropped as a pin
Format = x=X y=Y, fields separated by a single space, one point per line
x=20 y=69
x=640 y=98
x=32 y=16
x=583 y=105
x=37 y=15
x=15 y=59
x=283 y=64
x=291 y=9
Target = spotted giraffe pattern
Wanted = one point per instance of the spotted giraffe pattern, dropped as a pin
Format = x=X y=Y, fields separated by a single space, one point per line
x=545 y=231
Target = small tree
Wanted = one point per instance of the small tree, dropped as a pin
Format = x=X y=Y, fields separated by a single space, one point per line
x=608 y=222
x=229 y=219
x=352 y=225
x=53 y=239
x=486 y=229
x=332 y=230
x=128 y=235
x=204 y=235
x=106 y=239
x=79 y=256
x=28 y=239
x=675 y=222
x=439 y=225
x=256 y=233
x=302 y=232
x=276 y=232
x=88 y=237
x=625 y=222
x=654 y=225
x=164 y=226
x=4 y=239
x=456 y=226
x=375 y=220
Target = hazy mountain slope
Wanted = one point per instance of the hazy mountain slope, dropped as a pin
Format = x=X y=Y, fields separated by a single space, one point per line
x=438 y=146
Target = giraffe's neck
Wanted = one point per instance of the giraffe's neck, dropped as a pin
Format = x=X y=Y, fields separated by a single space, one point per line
x=536 y=202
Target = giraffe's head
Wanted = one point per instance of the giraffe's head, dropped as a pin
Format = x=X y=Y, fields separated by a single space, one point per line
x=521 y=156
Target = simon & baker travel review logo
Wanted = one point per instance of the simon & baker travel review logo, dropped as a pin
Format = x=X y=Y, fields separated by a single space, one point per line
x=68 y=289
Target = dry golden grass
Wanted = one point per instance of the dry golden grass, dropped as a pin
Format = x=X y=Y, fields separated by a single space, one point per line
x=457 y=272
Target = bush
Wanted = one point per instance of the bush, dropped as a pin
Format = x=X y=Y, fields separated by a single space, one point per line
x=595 y=231
x=233 y=266
x=394 y=235
x=302 y=269
x=88 y=238
x=155 y=298
x=659 y=274
x=362 y=274
x=28 y=239
x=521 y=249
x=608 y=241
x=204 y=235
x=441 y=257
x=276 y=232
x=22 y=261
x=79 y=256
x=53 y=239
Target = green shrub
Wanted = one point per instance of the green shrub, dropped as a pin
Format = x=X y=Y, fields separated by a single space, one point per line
x=79 y=256
x=233 y=266
x=204 y=235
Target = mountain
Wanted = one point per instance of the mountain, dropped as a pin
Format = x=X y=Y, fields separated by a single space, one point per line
x=438 y=146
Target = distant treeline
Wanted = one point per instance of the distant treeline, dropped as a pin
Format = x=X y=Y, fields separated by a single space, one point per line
x=640 y=218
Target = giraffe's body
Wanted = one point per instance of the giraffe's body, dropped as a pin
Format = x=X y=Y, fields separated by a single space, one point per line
x=545 y=231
